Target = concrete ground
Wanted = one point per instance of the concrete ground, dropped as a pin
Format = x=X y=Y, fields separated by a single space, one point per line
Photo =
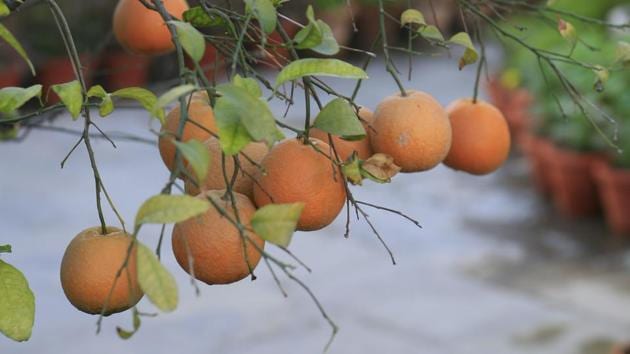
x=494 y=269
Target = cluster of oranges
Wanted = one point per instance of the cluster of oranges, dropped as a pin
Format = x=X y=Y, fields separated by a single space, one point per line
x=413 y=129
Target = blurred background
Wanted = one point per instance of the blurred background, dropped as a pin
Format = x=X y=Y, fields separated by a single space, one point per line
x=531 y=259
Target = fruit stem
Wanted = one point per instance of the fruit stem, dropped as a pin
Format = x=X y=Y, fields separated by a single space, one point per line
x=388 y=60
x=66 y=35
x=481 y=64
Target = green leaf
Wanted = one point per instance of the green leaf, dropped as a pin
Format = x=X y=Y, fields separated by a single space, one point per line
x=247 y=83
x=265 y=12
x=13 y=42
x=4 y=9
x=328 y=45
x=352 y=169
x=12 y=98
x=196 y=154
x=316 y=36
x=5 y=248
x=107 y=105
x=470 y=54
x=124 y=334
x=235 y=108
x=145 y=97
x=17 y=304
x=191 y=39
x=198 y=17
x=277 y=222
x=601 y=77
x=166 y=209
x=412 y=16
x=319 y=67
x=567 y=31
x=338 y=118
x=71 y=95
x=173 y=94
x=431 y=32
x=623 y=53
x=155 y=280
x=311 y=35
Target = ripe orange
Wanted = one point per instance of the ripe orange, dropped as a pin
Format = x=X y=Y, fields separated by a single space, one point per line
x=481 y=137
x=345 y=148
x=89 y=267
x=413 y=129
x=143 y=31
x=296 y=172
x=244 y=183
x=198 y=111
x=215 y=245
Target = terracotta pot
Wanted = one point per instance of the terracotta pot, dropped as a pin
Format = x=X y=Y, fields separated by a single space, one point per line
x=538 y=152
x=59 y=70
x=11 y=76
x=274 y=56
x=208 y=62
x=573 y=182
x=367 y=21
x=122 y=69
x=614 y=189
x=620 y=349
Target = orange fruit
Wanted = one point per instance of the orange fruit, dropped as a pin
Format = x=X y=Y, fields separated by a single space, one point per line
x=143 y=31
x=413 y=129
x=345 y=148
x=296 y=172
x=89 y=267
x=481 y=137
x=244 y=182
x=198 y=111
x=214 y=243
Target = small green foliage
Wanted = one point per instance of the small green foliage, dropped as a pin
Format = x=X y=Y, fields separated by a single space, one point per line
x=319 y=67
x=173 y=94
x=5 y=248
x=316 y=36
x=13 y=42
x=124 y=334
x=197 y=156
x=17 y=304
x=191 y=39
x=248 y=84
x=71 y=94
x=198 y=17
x=352 y=169
x=412 y=16
x=339 y=118
x=166 y=209
x=12 y=98
x=276 y=223
x=567 y=31
x=4 y=9
x=623 y=53
x=145 y=97
x=106 y=106
x=155 y=280
x=431 y=32
x=242 y=117
x=470 y=53
x=264 y=12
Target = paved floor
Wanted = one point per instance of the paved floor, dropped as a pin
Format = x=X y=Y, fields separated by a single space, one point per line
x=494 y=270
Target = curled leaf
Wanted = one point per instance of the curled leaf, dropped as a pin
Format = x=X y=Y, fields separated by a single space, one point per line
x=567 y=31
x=470 y=53
x=412 y=16
x=352 y=169
x=379 y=168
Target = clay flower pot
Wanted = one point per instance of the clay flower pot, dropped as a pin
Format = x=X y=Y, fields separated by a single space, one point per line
x=11 y=75
x=573 y=183
x=514 y=104
x=538 y=152
x=59 y=70
x=614 y=188
x=620 y=349
x=125 y=70
x=208 y=62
